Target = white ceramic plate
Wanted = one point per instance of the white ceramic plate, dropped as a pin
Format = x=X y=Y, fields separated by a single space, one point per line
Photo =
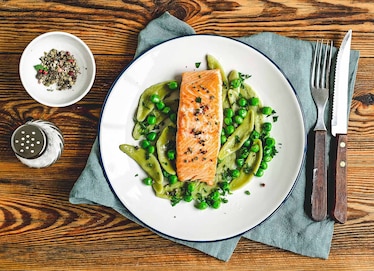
x=59 y=41
x=183 y=221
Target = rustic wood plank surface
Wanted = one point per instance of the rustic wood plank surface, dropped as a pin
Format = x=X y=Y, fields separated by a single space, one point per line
x=41 y=230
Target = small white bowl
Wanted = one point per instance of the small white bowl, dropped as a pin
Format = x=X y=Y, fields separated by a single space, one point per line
x=59 y=41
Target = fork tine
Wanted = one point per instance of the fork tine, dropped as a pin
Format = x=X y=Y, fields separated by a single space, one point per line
x=312 y=79
x=319 y=52
x=329 y=65
x=326 y=66
x=321 y=64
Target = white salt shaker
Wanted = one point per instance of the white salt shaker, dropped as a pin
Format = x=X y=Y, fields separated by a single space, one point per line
x=37 y=143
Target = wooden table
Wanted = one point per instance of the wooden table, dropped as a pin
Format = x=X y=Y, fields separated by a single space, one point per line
x=41 y=230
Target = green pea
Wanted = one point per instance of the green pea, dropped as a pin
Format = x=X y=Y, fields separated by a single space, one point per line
x=254 y=101
x=235 y=173
x=243 y=152
x=188 y=198
x=223 y=139
x=173 y=117
x=151 y=149
x=242 y=112
x=255 y=135
x=260 y=172
x=191 y=186
x=173 y=85
x=215 y=195
x=267 y=158
x=255 y=148
x=173 y=179
x=155 y=98
x=151 y=136
x=235 y=83
x=239 y=162
x=247 y=143
x=202 y=205
x=229 y=112
x=151 y=119
x=242 y=102
x=267 y=110
x=166 y=110
x=216 y=204
x=148 y=181
x=145 y=144
x=238 y=119
x=227 y=121
x=265 y=133
x=160 y=105
x=225 y=186
x=267 y=126
x=264 y=165
x=268 y=150
x=171 y=155
x=229 y=129
x=269 y=141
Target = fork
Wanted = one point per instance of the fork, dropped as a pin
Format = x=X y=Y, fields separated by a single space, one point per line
x=320 y=93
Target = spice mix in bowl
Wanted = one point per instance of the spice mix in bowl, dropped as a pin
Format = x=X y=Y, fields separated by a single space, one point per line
x=57 y=69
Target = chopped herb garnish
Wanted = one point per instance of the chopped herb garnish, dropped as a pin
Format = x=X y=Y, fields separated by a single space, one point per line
x=197 y=64
x=40 y=67
x=244 y=76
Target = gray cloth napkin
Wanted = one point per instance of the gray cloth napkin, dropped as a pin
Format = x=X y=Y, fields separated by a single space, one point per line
x=290 y=228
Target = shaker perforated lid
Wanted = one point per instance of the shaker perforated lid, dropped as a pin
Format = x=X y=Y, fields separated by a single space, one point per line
x=29 y=141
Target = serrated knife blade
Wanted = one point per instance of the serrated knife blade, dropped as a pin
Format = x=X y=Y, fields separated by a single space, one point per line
x=339 y=127
x=339 y=121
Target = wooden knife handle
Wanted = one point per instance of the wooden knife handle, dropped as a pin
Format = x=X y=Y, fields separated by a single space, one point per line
x=339 y=209
x=319 y=185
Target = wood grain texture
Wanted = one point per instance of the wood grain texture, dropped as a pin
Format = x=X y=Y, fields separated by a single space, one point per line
x=319 y=181
x=41 y=230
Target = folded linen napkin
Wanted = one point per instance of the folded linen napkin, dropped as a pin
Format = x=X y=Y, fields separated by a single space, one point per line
x=290 y=228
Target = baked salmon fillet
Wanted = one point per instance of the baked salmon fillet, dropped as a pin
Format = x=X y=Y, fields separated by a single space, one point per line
x=199 y=125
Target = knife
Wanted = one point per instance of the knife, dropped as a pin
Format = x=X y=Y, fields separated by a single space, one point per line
x=339 y=127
